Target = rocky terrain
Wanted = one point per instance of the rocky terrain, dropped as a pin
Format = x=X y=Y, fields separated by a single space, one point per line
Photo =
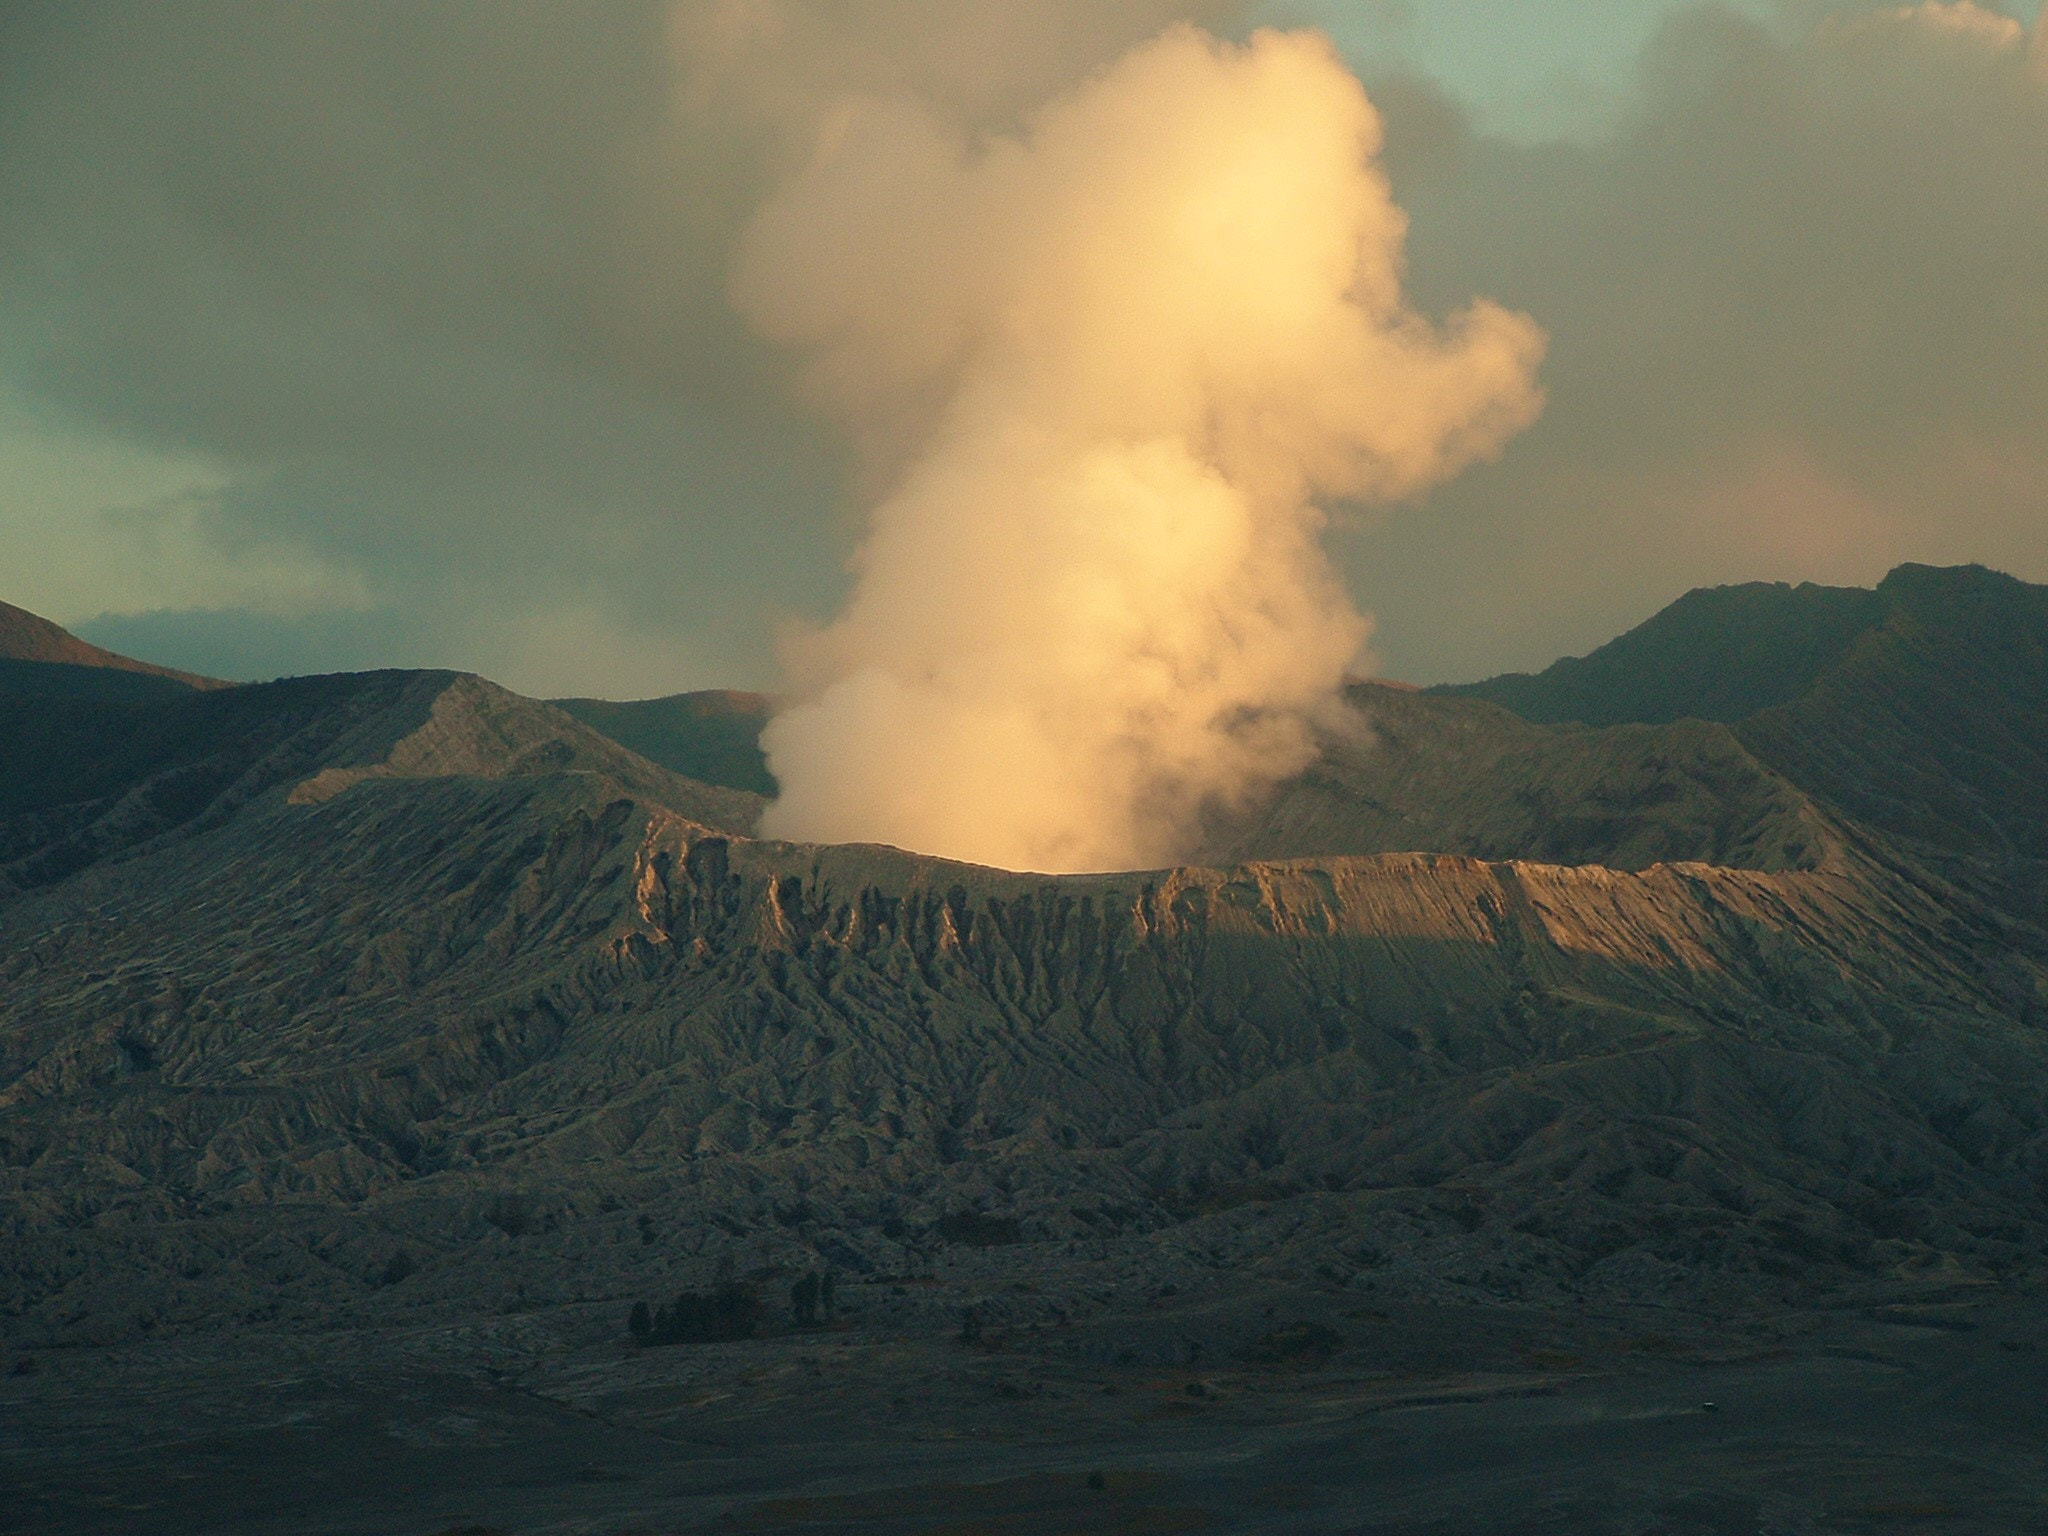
x=392 y=1033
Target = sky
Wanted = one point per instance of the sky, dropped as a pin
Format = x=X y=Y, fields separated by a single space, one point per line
x=384 y=334
x=1525 y=71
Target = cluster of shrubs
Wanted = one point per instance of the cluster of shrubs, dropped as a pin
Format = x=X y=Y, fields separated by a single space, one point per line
x=976 y=1229
x=730 y=1310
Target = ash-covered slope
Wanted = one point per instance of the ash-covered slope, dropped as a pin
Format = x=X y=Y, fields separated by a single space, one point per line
x=404 y=964
x=87 y=778
x=1420 y=772
x=713 y=735
x=539 y=1031
x=1919 y=710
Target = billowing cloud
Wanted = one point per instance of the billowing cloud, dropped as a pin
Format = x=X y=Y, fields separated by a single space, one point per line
x=425 y=305
x=1117 y=358
x=1945 y=23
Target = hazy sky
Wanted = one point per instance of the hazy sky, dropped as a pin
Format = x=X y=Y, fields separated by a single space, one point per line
x=1527 y=70
x=385 y=333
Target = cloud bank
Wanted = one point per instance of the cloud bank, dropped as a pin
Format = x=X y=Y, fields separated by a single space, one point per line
x=1120 y=357
x=1798 y=298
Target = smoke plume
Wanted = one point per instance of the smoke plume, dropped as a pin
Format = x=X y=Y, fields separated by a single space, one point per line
x=1104 y=370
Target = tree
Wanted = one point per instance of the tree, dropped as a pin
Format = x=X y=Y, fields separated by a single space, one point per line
x=731 y=1311
x=641 y=1323
x=803 y=1300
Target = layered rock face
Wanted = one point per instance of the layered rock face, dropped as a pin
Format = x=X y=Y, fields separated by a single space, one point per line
x=433 y=971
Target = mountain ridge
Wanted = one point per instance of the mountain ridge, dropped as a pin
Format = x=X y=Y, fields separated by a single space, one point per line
x=1926 y=719
x=100 y=778
x=1677 y=664
x=28 y=637
x=403 y=959
x=589 y=977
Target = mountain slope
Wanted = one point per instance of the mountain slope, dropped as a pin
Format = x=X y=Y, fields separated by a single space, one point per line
x=1421 y=772
x=299 y=977
x=1718 y=653
x=29 y=638
x=91 y=778
x=1919 y=710
x=450 y=1007
x=713 y=736
x=1933 y=728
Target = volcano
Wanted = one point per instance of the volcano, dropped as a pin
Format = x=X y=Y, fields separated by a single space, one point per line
x=1701 y=980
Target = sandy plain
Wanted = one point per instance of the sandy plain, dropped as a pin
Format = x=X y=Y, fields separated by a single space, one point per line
x=1925 y=1412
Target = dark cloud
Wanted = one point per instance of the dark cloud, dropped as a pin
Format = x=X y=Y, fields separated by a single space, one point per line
x=1799 y=315
x=441 y=284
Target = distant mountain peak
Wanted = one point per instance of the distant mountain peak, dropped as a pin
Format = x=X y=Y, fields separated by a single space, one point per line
x=1913 y=576
x=1717 y=653
x=26 y=636
x=1729 y=653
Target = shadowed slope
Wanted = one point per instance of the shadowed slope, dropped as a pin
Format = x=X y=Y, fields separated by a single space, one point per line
x=27 y=637
x=1919 y=710
x=1718 y=653
x=95 y=777
x=405 y=957
x=1933 y=728
x=1420 y=772
x=714 y=735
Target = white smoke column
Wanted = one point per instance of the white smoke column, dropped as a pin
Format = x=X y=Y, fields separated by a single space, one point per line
x=1113 y=360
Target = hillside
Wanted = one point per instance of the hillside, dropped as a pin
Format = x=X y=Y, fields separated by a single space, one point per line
x=1919 y=710
x=1718 y=653
x=1933 y=727
x=1425 y=773
x=714 y=735
x=234 y=907
x=537 y=989
x=29 y=642
x=91 y=777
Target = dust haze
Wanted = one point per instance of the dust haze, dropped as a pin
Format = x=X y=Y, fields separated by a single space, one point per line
x=1107 y=369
